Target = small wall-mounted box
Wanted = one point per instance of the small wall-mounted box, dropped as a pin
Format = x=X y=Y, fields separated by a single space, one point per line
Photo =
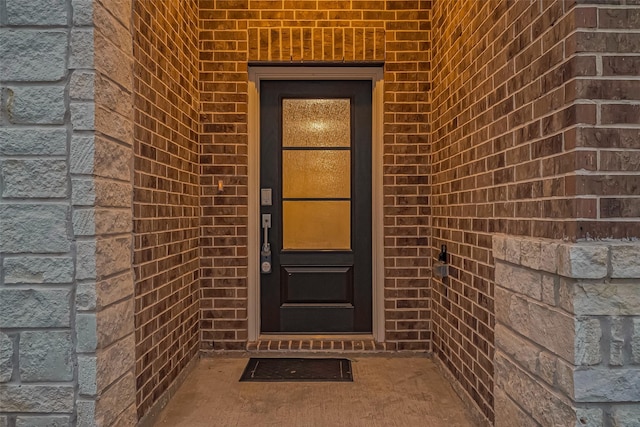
x=440 y=269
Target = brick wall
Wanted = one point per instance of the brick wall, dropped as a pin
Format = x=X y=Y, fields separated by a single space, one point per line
x=235 y=32
x=66 y=309
x=166 y=202
x=531 y=135
x=608 y=37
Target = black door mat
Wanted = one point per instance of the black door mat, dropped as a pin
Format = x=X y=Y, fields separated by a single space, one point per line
x=297 y=369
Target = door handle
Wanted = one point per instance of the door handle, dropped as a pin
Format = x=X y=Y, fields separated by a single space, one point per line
x=265 y=253
x=266 y=225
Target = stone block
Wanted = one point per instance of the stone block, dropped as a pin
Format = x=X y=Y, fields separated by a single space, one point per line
x=546 y=407
x=616 y=342
x=115 y=400
x=33 y=141
x=552 y=330
x=86 y=298
x=82 y=12
x=502 y=299
x=86 y=260
x=36 y=269
x=606 y=299
x=624 y=261
x=113 y=194
x=635 y=341
x=4 y=421
x=564 y=377
x=111 y=96
x=86 y=410
x=114 y=323
x=549 y=289
x=626 y=415
x=30 y=228
x=86 y=333
x=508 y=414
x=589 y=417
x=547 y=367
x=499 y=244
x=530 y=253
x=587 y=345
x=82 y=156
x=34 y=308
x=43 y=421
x=112 y=29
x=84 y=222
x=83 y=192
x=522 y=351
x=122 y=11
x=33 y=55
x=113 y=160
x=36 y=12
x=549 y=257
x=520 y=316
x=87 y=384
x=82 y=115
x=607 y=385
x=81 y=49
x=34 y=178
x=25 y=398
x=128 y=418
x=114 y=288
x=91 y=222
x=113 y=221
x=583 y=260
x=113 y=255
x=113 y=62
x=566 y=290
x=512 y=250
x=82 y=85
x=6 y=358
x=46 y=356
x=42 y=105
x=115 y=361
x=520 y=280
x=114 y=125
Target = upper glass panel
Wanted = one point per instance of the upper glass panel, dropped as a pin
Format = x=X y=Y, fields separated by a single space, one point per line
x=316 y=122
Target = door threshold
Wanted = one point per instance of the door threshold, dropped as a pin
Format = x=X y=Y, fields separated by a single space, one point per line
x=358 y=343
x=339 y=337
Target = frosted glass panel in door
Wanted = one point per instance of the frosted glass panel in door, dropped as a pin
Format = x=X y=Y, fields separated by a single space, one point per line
x=316 y=225
x=316 y=174
x=316 y=122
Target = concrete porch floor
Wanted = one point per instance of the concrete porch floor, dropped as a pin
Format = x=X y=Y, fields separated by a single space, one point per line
x=387 y=391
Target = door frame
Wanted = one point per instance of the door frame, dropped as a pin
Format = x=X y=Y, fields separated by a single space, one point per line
x=258 y=73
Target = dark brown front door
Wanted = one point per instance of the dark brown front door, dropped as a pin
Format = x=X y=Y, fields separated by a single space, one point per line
x=315 y=149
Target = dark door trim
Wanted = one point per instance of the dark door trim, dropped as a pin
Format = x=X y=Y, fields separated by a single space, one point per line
x=256 y=74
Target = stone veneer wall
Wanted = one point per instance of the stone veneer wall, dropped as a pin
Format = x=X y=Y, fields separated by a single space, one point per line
x=166 y=194
x=66 y=289
x=234 y=32
x=567 y=332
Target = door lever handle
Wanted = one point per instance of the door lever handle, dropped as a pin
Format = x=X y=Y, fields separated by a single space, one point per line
x=266 y=225
x=265 y=253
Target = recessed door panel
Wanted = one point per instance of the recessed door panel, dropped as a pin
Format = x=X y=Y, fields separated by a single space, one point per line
x=315 y=284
